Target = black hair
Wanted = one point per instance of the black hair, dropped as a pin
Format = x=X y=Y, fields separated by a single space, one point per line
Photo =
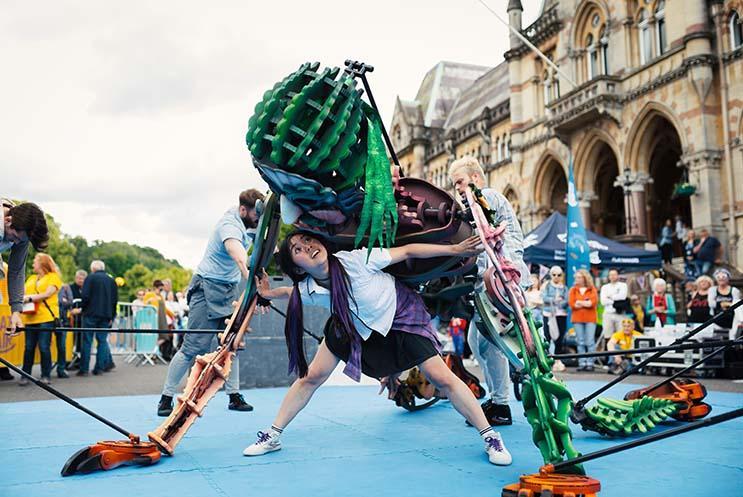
x=29 y=217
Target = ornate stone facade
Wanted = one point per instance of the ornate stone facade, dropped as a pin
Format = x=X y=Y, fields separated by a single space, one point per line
x=648 y=98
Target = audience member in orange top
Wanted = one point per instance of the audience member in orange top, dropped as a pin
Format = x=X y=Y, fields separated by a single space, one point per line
x=583 y=299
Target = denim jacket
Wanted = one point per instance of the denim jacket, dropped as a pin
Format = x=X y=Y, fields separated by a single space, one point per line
x=549 y=294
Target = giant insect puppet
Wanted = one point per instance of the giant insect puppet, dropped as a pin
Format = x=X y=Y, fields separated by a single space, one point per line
x=321 y=149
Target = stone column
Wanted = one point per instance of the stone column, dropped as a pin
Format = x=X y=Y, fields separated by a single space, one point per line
x=584 y=202
x=706 y=203
x=639 y=209
x=633 y=188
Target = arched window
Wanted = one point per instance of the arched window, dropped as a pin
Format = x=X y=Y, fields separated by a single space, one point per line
x=660 y=27
x=503 y=148
x=646 y=48
x=591 y=49
x=736 y=31
x=604 y=50
x=508 y=147
x=498 y=155
x=594 y=40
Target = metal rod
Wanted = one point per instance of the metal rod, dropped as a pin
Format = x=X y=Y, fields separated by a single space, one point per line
x=649 y=439
x=70 y=401
x=665 y=348
x=692 y=366
x=529 y=44
x=359 y=69
x=319 y=340
x=119 y=330
x=581 y=403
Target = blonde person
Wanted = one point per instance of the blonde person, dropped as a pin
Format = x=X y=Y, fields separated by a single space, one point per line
x=493 y=362
x=583 y=299
x=534 y=298
x=721 y=297
x=638 y=312
x=698 y=309
x=613 y=297
x=41 y=311
x=555 y=297
x=660 y=305
x=622 y=340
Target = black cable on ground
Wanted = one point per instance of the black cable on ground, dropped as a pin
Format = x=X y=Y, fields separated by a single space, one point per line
x=67 y=399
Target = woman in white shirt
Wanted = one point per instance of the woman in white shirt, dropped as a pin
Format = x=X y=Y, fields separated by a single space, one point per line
x=378 y=326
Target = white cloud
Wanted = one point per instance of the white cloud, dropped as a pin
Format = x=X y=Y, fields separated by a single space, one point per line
x=126 y=121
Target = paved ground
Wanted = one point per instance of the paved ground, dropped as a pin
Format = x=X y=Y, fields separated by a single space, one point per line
x=143 y=380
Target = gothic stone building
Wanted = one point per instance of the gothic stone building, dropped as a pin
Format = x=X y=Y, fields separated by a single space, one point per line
x=648 y=98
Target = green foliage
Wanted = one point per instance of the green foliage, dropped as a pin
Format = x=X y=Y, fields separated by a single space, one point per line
x=139 y=266
x=273 y=266
x=62 y=250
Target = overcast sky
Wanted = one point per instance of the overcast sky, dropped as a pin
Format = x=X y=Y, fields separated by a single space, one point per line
x=126 y=120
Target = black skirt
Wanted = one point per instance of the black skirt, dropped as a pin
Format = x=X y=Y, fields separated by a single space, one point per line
x=383 y=355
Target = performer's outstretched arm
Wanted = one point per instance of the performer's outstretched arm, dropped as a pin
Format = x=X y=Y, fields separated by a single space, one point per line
x=265 y=290
x=467 y=248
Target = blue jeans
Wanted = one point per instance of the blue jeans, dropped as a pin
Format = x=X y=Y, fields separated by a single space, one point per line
x=493 y=363
x=585 y=334
x=458 y=342
x=703 y=267
x=103 y=352
x=44 y=341
x=207 y=303
x=60 y=337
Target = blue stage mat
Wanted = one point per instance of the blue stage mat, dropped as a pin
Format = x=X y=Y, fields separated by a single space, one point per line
x=347 y=442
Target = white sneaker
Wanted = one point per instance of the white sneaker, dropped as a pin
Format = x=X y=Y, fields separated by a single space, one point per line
x=267 y=442
x=558 y=367
x=496 y=450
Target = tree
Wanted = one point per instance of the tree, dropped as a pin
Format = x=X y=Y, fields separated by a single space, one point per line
x=136 y=277
x=60 y=248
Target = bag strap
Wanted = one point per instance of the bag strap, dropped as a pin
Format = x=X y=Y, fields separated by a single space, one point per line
x=36 y=285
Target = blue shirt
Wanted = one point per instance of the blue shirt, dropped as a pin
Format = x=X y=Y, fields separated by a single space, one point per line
x=217 y=263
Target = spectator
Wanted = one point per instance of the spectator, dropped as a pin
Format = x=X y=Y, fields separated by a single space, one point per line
x=555 y=297
x=100 y=295
x=156 y=299
x=75 y=315
x=22 y=224
x=681 y=229
x=706 y=252
x=690 y=258
x=660 y=306
x=697 y=309
x=721 y=297
x=138 y=302
x=613 y=297
x=65 y=305
x=534 y=298
x=456 y=332
x=622 y=340
x=583 y=299
x=666 y=241
x=638 y=312
x=41 y=312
